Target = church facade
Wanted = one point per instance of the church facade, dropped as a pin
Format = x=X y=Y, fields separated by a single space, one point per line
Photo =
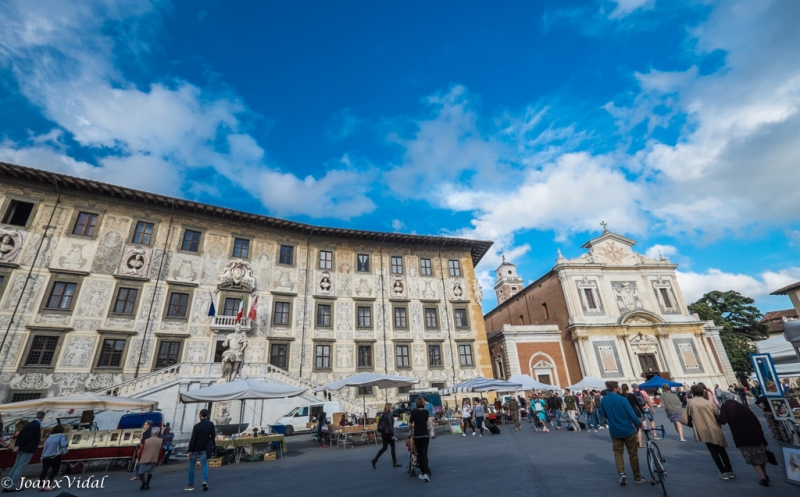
x=611 y=313
x=109 y=289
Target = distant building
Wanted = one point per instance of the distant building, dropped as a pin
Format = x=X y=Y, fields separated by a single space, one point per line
x=611 y=313
x=105 y=288
x=775 y=320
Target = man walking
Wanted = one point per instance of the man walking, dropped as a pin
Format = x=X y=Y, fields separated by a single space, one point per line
x=26 y=445
x=621 y=422
x=200 y=444
x=572 y=410
x=554 y=404
x=513 y=410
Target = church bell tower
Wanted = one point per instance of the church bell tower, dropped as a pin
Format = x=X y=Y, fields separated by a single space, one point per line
x=508 y=282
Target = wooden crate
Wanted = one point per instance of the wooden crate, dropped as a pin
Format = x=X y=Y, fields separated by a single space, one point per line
x=214 y=462
x=270 y=456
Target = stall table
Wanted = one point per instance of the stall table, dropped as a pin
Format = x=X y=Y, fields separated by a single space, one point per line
x=240 y=444
x=88 y=456
x=351 y=434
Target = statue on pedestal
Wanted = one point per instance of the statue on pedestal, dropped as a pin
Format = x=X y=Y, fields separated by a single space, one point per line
x=233 y=357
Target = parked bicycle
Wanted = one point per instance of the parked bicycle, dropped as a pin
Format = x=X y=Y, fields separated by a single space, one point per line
x=655 y=463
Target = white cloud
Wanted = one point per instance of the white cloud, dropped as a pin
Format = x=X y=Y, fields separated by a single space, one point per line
x=145 y=137
x=656 y=251
x=695 y=285
x=398 y=225
x=627 y=7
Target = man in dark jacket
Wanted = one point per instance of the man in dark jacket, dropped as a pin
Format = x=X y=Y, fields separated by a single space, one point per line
x=200 y=444
x=27 y=443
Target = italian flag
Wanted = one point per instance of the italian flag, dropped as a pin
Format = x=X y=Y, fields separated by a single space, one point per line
x=239 y=313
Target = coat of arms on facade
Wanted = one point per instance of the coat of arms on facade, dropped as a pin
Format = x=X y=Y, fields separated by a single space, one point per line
x=363 y=289
x=613 y=252
x=237 y=274
x=627 y=295
x=325 y=283
x=74 y=258
x=10 y=244
x=458 y=290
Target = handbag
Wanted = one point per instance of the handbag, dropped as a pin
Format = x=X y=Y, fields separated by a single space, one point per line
x=771 y=457
x=686 y=418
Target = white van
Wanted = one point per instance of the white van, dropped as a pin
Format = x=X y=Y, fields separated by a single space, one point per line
x=299 y=417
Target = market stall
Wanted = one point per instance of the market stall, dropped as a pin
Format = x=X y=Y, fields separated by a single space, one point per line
x=87 y=446
x=480 y=384
x=244 y=390
x=529 y=383
x=366 y=432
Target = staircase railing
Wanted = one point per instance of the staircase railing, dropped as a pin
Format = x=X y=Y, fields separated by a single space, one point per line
x=187 y=370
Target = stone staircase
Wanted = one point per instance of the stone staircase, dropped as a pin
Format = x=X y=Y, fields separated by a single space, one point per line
x=165 y=378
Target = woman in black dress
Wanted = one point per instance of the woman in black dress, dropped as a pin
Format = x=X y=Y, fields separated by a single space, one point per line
x=386 y=429
x=418 y=424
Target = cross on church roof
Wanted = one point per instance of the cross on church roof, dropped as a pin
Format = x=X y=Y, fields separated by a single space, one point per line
x=605 y=226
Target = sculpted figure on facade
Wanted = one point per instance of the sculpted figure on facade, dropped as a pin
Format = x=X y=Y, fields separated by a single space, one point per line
x=10 y=244
x=135 y=261
x=233 y=357
x=477 y=291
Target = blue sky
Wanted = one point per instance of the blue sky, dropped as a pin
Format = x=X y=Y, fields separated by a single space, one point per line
x=526 y=123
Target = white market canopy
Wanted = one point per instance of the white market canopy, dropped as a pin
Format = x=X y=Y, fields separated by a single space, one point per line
x=80 y=402
x=242 y=389
x=368 y=380
x=481 y=384
x=588 y=383
x=529 y=383
x=783 y=355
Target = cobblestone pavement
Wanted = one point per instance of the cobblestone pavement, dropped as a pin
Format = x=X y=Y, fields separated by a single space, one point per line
x=519 y=464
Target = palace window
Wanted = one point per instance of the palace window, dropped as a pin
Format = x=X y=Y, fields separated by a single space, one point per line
x=61 y=295
x=364 y=317
x=322 y=357
x=43 y=348
x=85 y=224
x=362 y=265
x=18 y=213
x=455 y=267
x=400 y=317
x=168 y=352
x=402 y=356
x=425 y=267
x=191 y=241
x=143 y=233
x=325 y=259
x=281 y=315
x=111 y=353
x=461 y=318
x=434 y=355
x=286 y=255
x=126 y=300
x=365 y=356
x=178 y=305
x=431 y=318
x=241 y=248
x=323 y=314
x=279 y=354
x=465 y=355
x=397 y=265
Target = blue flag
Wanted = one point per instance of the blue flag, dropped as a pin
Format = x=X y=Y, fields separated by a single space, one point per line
x=211 y=310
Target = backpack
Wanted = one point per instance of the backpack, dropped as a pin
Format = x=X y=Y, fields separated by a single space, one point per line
x=640 y=399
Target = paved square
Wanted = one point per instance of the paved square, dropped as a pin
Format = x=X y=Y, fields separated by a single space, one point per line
x=521 y=463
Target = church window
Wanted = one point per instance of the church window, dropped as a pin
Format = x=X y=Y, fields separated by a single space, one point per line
x=665 y=298
x=590 y=301
x=545 y=312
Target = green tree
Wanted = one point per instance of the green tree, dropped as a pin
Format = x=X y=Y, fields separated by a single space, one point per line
x=740 y=322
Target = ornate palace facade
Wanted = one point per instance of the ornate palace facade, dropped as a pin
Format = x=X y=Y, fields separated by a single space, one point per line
x=611 y=313
x=105 y=288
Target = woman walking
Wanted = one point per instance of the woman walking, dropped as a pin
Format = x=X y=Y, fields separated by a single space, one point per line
x=747 y=434
x=706 y=430
x=386 y=429
x=673 y=407
x=149 y=458
x=626 y=392
x=53 y=448
x=466 y=418
x=418 y=425
x=478 y=412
